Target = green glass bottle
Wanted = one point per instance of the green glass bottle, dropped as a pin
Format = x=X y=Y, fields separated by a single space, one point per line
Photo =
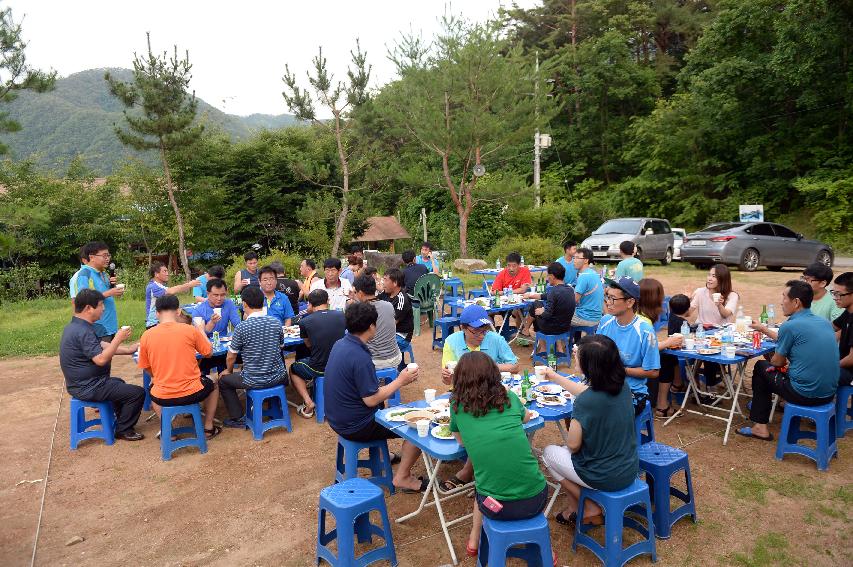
x=552 y=358
x=525 y=385
x=763 y=317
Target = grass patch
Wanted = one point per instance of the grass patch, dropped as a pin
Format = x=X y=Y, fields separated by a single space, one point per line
x=754 y=486
x=831 y=512
x=769 y=549
x=32 y=328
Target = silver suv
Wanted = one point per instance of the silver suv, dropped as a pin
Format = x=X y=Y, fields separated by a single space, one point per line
x=653 y=238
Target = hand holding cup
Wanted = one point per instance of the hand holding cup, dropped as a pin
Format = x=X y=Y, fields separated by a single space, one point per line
x=124 y=333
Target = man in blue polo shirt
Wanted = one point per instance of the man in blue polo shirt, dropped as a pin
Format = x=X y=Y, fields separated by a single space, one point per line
x=635 y=337
x=568 y=262
x=200 y=291
x=477 y=334
x=92 y=275
x=353 y=394
x=589 y=291
x=276 y=303
x=427 y=259
x=803 y=370
x=217 y=311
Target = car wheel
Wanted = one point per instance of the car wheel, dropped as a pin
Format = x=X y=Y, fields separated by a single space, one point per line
x=667 y=258
x=702 y=266
x=749 y=261
x=824 y=257
x=639 y=253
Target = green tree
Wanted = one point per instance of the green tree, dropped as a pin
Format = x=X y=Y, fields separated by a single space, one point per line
x=467 y=99
x=15 y=73
x=340 y=99
x=159 y=89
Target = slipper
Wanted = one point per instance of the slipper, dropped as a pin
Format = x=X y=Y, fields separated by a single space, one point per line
x=395 y=458
x=451 y=484
x=211 y=433
x=471 y=552
x=747 y=432
x=572 y=519
x=424 y=484
x=678 y=389
x=303 y=410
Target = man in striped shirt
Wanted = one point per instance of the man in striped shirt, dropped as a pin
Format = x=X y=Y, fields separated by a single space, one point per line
x=258 y=341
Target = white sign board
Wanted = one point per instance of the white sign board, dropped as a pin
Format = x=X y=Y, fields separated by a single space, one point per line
x=751 y=213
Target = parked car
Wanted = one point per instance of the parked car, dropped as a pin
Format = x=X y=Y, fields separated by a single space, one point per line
x=652 y=237
x=753 y=244
x=678 y=236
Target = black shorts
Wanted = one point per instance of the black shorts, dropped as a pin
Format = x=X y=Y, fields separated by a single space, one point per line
x=371 y=432
x=515 y=509
x=207 y=387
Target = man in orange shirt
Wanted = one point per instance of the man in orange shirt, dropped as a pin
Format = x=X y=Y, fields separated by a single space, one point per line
x=167 y=352
x=514 y=276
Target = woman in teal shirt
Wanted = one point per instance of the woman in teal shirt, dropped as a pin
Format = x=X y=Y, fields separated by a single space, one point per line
x=602 y=444
x=488 y=420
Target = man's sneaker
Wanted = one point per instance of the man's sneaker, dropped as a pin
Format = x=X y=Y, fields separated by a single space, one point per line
x=130 y=435
x=238 y=423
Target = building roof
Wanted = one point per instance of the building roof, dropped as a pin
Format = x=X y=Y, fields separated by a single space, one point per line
x=383 y=228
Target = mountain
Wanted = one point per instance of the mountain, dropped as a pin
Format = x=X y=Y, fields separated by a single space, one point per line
x=76 y=119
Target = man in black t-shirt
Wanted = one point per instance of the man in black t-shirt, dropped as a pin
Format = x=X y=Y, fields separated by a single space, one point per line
x=287 y=286
x=554 y=317
x=412 y=271
x=843 y=296
x=393 y=284
x=320 y=328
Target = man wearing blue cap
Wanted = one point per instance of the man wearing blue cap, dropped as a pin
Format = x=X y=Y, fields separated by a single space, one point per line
x=635 y=337
x=477 y=334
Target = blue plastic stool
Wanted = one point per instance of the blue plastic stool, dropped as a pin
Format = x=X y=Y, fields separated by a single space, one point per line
x=319 y=399
x=447 y=324
x=498 y=540
x=386 y=375
x=575 y=332
x=455 y=286
x=167 y=414
x=482 y=292
x=277 y=410
x=146 y=385
x=551 y=342
x=411 y=353
x=615 y=504
x=824 y=436
x=378 y=461
x=451 y=302
x=79 y=425
x=350 y=502
x=660 y=462
x=644 y=425
x=843 y=411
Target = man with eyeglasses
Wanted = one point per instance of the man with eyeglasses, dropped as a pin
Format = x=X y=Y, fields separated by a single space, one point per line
x=589 y=292
x=95 y=258
x=477 y=334
x=635 y=337
x=802 y=370
x=843 y=324
x=819 y=276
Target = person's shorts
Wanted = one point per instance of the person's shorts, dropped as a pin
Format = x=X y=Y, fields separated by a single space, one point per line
x=371 y=432
x=207 y=387
x=302 y=369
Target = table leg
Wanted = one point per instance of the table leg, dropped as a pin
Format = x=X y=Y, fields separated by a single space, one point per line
x=690 y=370
x=739 y=374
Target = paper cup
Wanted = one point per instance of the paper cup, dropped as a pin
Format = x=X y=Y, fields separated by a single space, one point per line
x=217 y=311
x=715 y=297
x=540 y=371
x=506 y=377
x=119 y=286
x=429 y=395
x=123 y=327
x=423 y=427
x=729 y=352
x=689 y=344
x=412 y=366
x=198 y=321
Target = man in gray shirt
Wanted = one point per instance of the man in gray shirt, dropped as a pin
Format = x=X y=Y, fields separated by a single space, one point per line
x=85 y=362
x=383 y=346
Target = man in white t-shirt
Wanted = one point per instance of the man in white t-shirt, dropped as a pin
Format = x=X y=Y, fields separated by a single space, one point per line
x=337 y=288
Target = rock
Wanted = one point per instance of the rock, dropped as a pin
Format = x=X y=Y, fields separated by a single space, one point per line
x=75 y=540
x=383 y=261
x=469 y=264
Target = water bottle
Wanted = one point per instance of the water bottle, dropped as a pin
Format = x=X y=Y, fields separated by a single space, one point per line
x=771 y=315
x=700 y=334
x=685 y=329
x=216 y=342
x=498 y=264
x=522 y=260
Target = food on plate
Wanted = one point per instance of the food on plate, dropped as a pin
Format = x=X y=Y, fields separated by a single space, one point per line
x=441 y=419
x=548 y=389
x=708 y=351
x=442 y=432
x=413 y=417
x=441 y=404
x=553 y=399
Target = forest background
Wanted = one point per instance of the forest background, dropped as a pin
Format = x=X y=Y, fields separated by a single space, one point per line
x=673 y=108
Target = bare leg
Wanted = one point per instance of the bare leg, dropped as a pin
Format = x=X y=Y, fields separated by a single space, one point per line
x=403 y=477
x=209 y=405
x=476 y=526
x=663 y=395
x=302 y=389
x=466 y=473
x=573 y=491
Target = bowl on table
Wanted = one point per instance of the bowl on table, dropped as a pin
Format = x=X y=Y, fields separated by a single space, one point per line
x=412 y=418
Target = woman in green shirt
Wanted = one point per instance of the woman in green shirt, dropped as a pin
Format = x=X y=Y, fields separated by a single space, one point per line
x=487 y=420
x=602 y=444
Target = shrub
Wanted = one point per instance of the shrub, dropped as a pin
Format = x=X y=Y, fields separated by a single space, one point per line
x=536 y=250
x=23 y=282
x=289 y=260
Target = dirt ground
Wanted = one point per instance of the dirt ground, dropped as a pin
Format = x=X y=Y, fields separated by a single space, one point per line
x=254 y=503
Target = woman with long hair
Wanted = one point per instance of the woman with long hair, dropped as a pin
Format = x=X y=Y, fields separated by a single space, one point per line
x=488 y=421
x=651 y=307
x=602 y=444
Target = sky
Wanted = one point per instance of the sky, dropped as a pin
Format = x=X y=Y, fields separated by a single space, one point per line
x=238 y=49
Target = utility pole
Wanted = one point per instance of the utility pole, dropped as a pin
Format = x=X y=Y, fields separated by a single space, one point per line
x=424 y=221
x=537 y=198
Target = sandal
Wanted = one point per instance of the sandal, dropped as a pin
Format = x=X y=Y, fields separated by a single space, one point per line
x=747 y=432
x=305 y=412
x=424 y=484
x=451 y=484
x=678 y=389
x=664 y=413
x=572 y=519
x=211 y=433
x=471 y=552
